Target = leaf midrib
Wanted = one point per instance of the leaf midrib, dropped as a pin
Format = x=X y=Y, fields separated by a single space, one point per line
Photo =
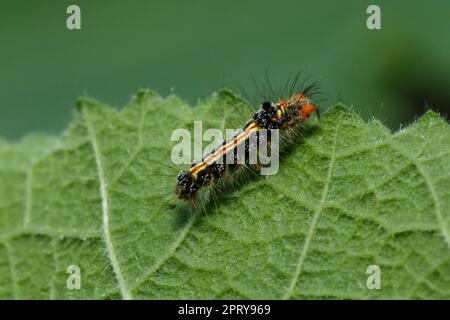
x=125 y=292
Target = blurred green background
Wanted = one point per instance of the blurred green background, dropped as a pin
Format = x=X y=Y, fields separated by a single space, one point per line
x=194 y=48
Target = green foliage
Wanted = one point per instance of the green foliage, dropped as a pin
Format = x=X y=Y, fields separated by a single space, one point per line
x=350 y=195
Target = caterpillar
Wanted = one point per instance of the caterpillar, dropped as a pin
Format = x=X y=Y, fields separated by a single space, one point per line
x=213 y=170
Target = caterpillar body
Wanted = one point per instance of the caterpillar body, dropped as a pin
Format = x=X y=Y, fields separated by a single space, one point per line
x=282 y=115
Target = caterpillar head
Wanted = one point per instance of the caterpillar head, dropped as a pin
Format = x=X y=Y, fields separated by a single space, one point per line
x=303 y=105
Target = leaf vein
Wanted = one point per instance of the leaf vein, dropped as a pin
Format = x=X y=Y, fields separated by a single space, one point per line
x=125 y=292
x=437 y=209
x=315 y=219
x=12 y=270
x=173 y=248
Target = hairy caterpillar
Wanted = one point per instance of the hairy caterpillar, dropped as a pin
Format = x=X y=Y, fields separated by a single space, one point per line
x=214 y=171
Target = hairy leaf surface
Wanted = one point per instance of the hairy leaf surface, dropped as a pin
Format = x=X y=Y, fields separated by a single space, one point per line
x=348 y=196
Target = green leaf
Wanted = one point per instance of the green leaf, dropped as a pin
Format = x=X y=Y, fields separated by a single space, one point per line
x=349 y=195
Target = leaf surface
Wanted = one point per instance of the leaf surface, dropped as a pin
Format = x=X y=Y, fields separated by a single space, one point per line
x=349 y=195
